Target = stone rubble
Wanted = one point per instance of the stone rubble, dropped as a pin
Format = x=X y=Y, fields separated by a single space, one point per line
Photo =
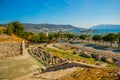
x=91 y=53
x=48 y=58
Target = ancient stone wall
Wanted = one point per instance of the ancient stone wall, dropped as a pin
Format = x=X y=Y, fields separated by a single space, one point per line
x=44 y=56
x=9 y=49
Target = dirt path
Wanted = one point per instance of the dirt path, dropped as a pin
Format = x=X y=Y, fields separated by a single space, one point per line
x=51 y=46
x=18 y=66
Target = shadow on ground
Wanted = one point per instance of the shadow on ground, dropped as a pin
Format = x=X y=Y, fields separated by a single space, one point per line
x=116 y=50
x=64 y=66
x=97 y=47
x=101 y=47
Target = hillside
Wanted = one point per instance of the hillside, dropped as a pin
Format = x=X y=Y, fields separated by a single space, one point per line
x=15 y=38
x=106 y=27
x=48 y=26
x=2 y=28
x=37 y=28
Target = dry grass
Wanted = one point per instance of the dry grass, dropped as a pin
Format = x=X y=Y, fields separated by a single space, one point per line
x=93 y=74
x=2 y=28
x=10 y=38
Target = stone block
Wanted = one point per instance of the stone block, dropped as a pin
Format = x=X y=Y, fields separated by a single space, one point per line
x=85 y=54
x=108 y=60
x=97 y=57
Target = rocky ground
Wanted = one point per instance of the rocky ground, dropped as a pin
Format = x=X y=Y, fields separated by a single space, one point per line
x=93 y=74
x=28 y=67
x=77 y=73
x=107 y=56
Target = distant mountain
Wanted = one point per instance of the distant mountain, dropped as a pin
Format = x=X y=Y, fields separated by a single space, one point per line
x=106 y=27
x=47 y=27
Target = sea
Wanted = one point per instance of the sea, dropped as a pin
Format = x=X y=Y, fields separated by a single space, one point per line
x=95 y=31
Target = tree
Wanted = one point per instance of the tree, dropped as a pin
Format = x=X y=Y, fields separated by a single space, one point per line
x=42 y=38
x=25 y=35
x=10 y=29
x=18 y=28
x=83 y=37
x=34 y=38
x=88 y=38
x=97 y=38
x=118 y=36
x=70 y=36
x=111 y=37
x=51 y=36
x=56 y=35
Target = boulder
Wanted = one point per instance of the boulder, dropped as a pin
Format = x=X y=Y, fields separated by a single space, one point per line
x=97 y=57
x=74 y=52
x=77 y=52
x=108 y=60
x=117 y=63
x=85 y=54
x=102 y=64
x=118 y=74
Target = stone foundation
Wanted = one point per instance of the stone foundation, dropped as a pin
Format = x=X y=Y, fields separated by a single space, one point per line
x=10 y=49
x=48 y=58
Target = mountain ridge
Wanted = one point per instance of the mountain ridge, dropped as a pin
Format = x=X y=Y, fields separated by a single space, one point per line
x=106 y=26
x=32 y=25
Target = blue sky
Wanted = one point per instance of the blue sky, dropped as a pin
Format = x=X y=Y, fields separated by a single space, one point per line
x=80 y=13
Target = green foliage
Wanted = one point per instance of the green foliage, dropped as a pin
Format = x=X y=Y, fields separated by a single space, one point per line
x=51 y=36
x=17 y=26
x=118 y=36
x=70 y=36
x=10 y=29
x=18 y=29
x=42 y=37
x=110 y=37
x=64 y=54
x=25 y=35
x=83 y=37
x=34 y=38
x=97 y=37
x=39 y=38
x=56 y=35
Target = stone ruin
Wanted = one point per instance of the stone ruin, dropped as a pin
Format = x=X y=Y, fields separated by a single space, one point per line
x=10 y=49
x=44 y=56
x=99 y=55
x=91 y=53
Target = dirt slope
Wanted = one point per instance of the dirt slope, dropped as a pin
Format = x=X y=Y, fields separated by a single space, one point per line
x=5 y=37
